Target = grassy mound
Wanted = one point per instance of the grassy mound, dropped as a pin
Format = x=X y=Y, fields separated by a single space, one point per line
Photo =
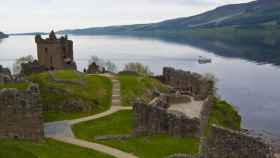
x=45 y=149
x=122 y=123
x=19 y=86
x=135 y=86
x=224 y=114
x=91 y=88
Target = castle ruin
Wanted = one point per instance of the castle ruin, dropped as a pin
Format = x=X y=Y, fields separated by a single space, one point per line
x=21 y=114
x=55 y=53
x=185 y=113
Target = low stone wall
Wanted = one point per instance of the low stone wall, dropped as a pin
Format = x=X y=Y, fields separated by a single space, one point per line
x=225 y=143
x=155 y=118
x=32 y=67
x=21 y=114
x=188 y=83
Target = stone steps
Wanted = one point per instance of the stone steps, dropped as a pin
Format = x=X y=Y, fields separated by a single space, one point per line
x=116 y=97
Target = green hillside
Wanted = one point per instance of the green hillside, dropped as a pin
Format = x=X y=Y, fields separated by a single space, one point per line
x=92 y=89
x=256 y=13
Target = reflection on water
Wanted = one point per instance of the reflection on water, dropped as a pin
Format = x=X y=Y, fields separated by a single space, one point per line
x=252 y=88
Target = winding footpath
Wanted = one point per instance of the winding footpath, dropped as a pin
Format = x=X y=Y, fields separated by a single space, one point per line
x=61 y=130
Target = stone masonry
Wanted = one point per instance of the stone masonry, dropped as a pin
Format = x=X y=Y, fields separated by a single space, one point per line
x=21 y=114
x=32 y=67
x=188 y=83
x=156 y=118
x=55 y=53
x=225 y=143
x=185 y=113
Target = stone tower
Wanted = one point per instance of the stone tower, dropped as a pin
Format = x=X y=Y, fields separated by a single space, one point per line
x=55 y=53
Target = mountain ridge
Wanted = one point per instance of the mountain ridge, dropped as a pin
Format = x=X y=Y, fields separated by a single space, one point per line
x=255 y=13
x=3 y=35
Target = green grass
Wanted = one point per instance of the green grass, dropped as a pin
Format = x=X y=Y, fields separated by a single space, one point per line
x=95 y=89
x=136 y=86
x=19 y=86
x=45 y=149
x=68 y=75
x=225 y=115
x=120 y=123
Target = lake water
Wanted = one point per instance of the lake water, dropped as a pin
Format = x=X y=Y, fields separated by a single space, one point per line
x=253 y=88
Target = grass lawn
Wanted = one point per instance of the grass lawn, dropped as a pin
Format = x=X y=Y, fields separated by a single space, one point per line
x=133 y=86
x=45 y=149
x=19 y=86
x=225 y=115
x=96 y=89
x=145 y=147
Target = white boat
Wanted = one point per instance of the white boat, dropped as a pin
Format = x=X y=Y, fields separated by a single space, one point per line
x=204 y=60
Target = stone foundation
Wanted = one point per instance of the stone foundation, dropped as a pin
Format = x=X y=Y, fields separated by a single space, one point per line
x=21 y=114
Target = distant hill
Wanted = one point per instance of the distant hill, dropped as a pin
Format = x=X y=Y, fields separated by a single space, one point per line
x=30 y=33
x=2 y=35
x=254 y=14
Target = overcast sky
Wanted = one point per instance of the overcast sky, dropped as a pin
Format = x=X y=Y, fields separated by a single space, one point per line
x=44 y=15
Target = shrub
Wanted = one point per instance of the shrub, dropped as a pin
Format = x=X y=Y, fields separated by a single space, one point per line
x=102 y=63
x=139 y=68
x=19 y=61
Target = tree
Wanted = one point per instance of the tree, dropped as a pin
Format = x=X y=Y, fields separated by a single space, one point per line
x=102 y=63
x=19 y=61
x=110 y=66
x=139 y=68
x=98 y=61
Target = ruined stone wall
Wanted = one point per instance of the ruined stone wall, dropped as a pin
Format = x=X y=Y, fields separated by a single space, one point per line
x=32 y=67
x=225 y=143
x=154 y=118
x=190 y=83
x=21 y=114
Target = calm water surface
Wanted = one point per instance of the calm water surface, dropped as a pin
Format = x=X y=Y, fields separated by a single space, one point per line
x=254 y=89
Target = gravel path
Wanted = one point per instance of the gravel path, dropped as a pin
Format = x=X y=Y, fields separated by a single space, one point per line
x=192 y=109
x=62 y=131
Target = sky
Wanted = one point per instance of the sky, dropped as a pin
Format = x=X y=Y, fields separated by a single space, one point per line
x=18 y=16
